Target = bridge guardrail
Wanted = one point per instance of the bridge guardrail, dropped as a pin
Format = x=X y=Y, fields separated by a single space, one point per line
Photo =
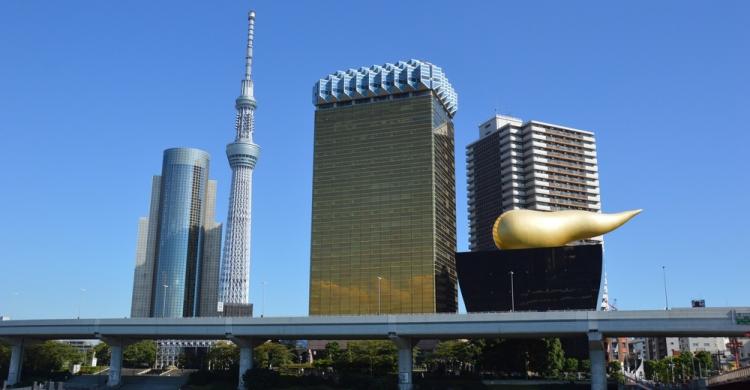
x=731 y=376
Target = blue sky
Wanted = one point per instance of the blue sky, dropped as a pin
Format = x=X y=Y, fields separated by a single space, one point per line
x=92 y=92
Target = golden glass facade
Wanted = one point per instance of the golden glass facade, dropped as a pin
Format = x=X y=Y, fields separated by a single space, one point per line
x=383 y=217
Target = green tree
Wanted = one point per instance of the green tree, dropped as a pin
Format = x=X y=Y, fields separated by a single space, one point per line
x=223 y=356
x=663 y=373
x=614 y=369
x=140 y=354
x=585 y=366
x=675 y=368
x=504 y=355
x=102 y=352
x=659 y=370
x=455 y=355
x=547 y=357
x=571 y=365
x=614 y=366
x=47 y=358
x=684 y=368
x=272 y=354
x=650 y=369
x=705 y=363
x=4 y=361
x=333 y=351
x=375 y=357
x=328 y=356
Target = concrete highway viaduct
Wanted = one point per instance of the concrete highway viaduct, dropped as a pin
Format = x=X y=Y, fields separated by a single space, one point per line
x=403 y=329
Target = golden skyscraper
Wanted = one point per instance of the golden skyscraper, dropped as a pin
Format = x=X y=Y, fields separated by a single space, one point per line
x=384 y=212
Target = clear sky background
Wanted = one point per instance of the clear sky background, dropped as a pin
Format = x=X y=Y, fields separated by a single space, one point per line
x=92 y=92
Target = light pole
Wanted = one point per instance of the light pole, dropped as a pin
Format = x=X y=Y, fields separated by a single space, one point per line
x=666 y=298
x=512 y=294
x=80 y=300
x=164 y=301
x=379 y=279
x=263 y=300
x=14 y=299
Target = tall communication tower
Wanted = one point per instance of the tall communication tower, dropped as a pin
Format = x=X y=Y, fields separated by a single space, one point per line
x=242 y=154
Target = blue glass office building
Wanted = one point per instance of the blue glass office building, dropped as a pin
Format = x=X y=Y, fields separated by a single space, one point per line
x=177 y=260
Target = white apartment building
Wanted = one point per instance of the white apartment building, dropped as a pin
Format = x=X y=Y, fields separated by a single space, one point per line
x=710 y=344
x=528 y=165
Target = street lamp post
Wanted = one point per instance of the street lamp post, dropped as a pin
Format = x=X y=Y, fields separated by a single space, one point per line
x=512 y=294
x=80 y=301
x=263 y=302
x=379 y=280
x=15 y=300
x=164 y=301
x=666 y=298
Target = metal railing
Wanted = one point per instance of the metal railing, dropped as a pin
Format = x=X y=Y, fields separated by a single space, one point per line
x=731 y=376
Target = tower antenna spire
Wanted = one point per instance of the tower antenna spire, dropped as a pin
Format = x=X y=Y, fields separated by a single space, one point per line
x=250 y=39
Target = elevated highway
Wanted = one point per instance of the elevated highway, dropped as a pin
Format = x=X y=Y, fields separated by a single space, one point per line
x=403 y=330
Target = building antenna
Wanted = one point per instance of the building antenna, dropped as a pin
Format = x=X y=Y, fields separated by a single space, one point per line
x=250 y=39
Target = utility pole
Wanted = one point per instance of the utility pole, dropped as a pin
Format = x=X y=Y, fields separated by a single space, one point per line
x=735 y=346
x=512 y=294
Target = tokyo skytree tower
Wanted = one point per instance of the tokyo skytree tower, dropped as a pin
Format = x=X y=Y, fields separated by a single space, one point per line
x=242 y=155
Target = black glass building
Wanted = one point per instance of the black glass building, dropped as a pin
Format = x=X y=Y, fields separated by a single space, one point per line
x=383 y=212
x=561 y=278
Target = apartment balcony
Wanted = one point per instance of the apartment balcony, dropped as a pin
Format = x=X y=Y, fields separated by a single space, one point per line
x=568 y=165
x=579 y=188
x=575 y=157
x=569 y=172
x=569 y=195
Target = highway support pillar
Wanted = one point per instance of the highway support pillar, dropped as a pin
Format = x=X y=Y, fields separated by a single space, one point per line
x=405 y=346
x=115 y=364
x=598 y=363
x=116 y=345
x=246 y=357
x=16 y=362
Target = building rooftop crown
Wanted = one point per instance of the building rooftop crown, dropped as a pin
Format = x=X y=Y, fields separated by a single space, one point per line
x=384 y=80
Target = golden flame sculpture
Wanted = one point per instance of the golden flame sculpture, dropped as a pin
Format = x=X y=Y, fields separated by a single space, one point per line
x=522 y=229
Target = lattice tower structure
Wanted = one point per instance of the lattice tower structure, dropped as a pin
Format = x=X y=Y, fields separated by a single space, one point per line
x=242 y=154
